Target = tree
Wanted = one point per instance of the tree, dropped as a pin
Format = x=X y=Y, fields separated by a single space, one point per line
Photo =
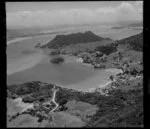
x=119 y=56
x=111 y=77
x=62 y=101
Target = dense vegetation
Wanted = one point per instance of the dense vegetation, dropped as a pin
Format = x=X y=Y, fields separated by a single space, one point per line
x=37 y=91
x=57 y=60
x=107 y=49
x=25 y=88
x=64 y=40
x=53 y=53
x=120 y=109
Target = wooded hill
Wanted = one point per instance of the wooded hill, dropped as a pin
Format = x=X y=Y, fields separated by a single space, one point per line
x=76 y=38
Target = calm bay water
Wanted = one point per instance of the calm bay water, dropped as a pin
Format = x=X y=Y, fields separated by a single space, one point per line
x=63 y=74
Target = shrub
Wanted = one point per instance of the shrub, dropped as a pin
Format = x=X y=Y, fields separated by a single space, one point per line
x=108 y=49
x=57 y=60
x=56 y=52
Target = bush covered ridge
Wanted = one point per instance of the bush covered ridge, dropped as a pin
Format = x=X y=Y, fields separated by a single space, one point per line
x=123 y=109
x=65 y=40
x=131 y=43
x=135 y=42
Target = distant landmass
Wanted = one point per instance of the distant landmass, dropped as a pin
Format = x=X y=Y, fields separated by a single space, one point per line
x=12 y=33
x=76 y=38
x=117 y=27
x=134 y=25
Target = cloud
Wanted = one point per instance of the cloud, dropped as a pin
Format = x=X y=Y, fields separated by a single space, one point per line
x=124 y=11
x=128 y=11
x=139 y=6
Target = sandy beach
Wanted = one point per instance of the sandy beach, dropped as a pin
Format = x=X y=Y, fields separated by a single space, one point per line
x=106 y=84
x=112 y=71
x=18 y=39
x=97 y=81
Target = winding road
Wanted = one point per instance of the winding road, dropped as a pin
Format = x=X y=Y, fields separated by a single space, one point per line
x=53 y=99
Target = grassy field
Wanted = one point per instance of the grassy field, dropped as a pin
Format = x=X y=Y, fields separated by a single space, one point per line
x=24 y=121
x=81 y=109
x=63 y=119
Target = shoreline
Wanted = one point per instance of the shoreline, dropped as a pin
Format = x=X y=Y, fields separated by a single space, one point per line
x=32 y=63
x=113 y=71
x=105 y=85
x=18 y=39
x=21 y=38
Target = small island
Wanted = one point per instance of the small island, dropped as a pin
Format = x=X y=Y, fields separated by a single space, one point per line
x=57 y=60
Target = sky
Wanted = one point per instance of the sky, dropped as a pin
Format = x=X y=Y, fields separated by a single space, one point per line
x=35 y=14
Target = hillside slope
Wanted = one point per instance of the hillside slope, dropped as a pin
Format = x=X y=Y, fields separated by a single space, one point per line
x=131 y=43
x=134 y=42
